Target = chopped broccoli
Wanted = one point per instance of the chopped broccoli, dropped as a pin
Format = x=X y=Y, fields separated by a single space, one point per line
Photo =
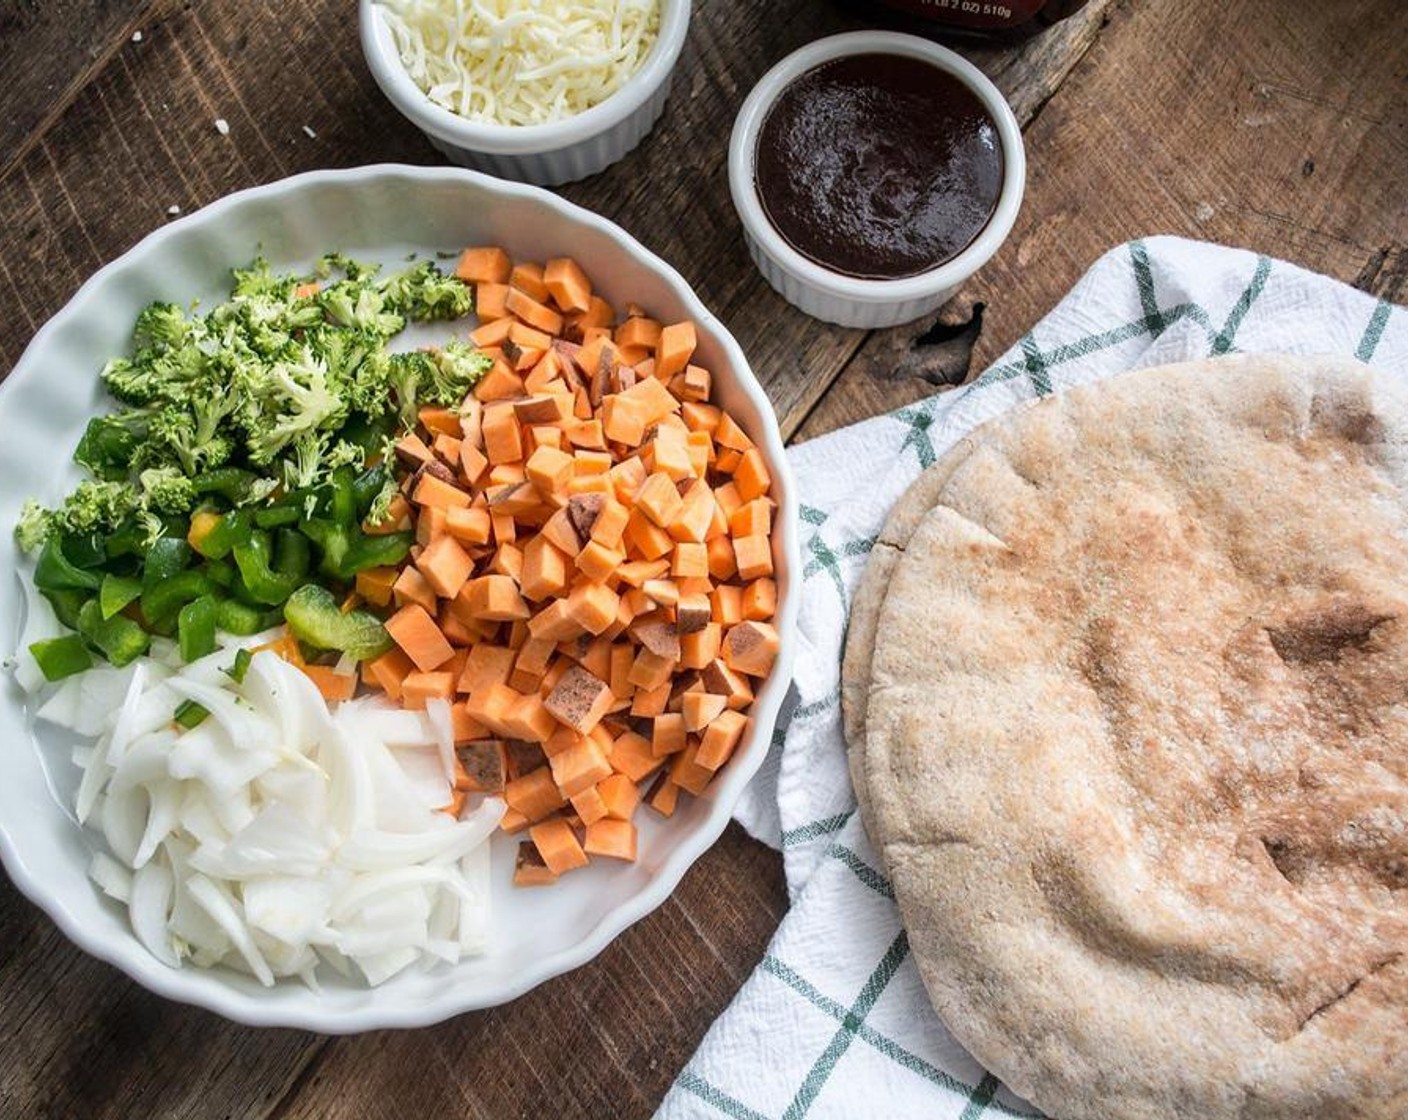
x=264 y=382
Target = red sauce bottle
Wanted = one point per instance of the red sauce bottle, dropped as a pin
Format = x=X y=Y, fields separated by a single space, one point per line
x=989 y=17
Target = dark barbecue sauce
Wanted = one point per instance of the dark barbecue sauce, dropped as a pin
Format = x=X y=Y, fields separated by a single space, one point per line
x=878 y=166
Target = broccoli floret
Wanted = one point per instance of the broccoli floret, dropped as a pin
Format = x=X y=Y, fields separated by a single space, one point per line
x=424 y=293
x=293 y=397
x=380 y=510
x=166 y=490
x=350 y=304
x=340 y=262
x=308 y=464
x=34 y=526
x=160 y=326
x=458 y=367
x=406 y=374
x=185 y=436
x=95 y=506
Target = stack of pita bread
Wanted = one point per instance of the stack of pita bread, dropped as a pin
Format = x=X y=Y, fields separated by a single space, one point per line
x=1126 y=693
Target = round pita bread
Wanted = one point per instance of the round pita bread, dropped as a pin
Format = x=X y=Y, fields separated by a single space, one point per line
x=1136 y=744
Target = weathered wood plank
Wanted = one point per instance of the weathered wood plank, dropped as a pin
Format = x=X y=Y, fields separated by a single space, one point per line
x=1279 y=127
x=49 y=50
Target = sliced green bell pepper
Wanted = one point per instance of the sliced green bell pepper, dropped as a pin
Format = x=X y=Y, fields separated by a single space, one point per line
x=195 y=628
x=116 y=592
x=313 y=616
x=261 y=581
x=53 y=571
x=58 y=658
x=120 y=639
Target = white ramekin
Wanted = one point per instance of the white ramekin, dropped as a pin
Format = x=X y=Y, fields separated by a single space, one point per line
x=546 y=154
x=846 y=300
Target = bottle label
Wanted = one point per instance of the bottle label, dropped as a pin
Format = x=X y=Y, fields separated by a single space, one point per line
x=974 y=13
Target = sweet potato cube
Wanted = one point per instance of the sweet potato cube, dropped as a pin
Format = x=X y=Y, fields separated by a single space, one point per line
x=729 y=434
x=489 y=300
x=557 y=844
x=668 y=733
x=554 y=623
x=659 y=500
x=726 y=604
x=484 y=763
x=664 y=797
x=487 y=264
x=596 y=561
x=529 y=870
x=579 y=767
x=492 y=598
x=751 y=476
x=529 y=719
x=415 y=632
x=549 y=469
x=567 y=284
x=623 y=420
x=723 y=681
x=650 y=670
x=588 y=805
x=610 y=523
x=690 y=561
x=578 y=700
x=723 y=561
x=753 y=556
x=375 y=584
x=631 y=755
x=720 y=738
x=545 y=569
x=436 y=492
x=619 y=796
x=388 y=671
x=593 y=606
x=648 y=703
x=612 y=838
x=466 y=728
x=419 y=687
x=528 y=278
x=486 y=664
x=699 y=709
x=751 y=518
x=445 y=566
x=686 y=773
x=503 y=440
x=751 y=648
x=652 y=398
x=676 y=347
x=701 y=647
x=468 y=526
x=627 y=477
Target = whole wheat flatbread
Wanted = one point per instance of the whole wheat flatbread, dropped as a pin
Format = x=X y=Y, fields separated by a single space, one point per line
x=1136 y=745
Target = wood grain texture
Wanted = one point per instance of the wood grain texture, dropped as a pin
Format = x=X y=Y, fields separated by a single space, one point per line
x=1279 y=127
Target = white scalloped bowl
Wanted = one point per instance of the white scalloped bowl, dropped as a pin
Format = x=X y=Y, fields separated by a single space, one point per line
x=380 y=213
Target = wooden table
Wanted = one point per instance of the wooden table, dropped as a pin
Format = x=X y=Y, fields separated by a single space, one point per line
x=1281 y=125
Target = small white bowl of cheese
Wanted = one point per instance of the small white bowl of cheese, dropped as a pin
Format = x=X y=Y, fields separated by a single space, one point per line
x=541 y=91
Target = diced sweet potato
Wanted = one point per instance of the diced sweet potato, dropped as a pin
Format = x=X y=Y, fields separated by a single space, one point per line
x=698 y=709
x=488 y=264
x=676 y=347
x=535 y=794
x=589 y=805
x=567 y=284
x=418 y=687
x=579 y=700
x=619 y=796
x=753 y=556
x=631 y=755
x=612 y=838
x=415 y=632
x=445 y=566
x=529 y=869
x=579 y=767
x=750 y=647
x=492 y=598
x=720 y=739
x=485 y=764
x=557 y=844
x=668 y=734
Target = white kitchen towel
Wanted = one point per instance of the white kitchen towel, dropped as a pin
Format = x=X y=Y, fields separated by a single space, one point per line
x=835 y=1022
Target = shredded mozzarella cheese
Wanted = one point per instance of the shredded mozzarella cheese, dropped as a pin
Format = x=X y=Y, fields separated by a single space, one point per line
x=521 y=62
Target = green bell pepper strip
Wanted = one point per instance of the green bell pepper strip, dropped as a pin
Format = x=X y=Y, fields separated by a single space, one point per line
x=376 y=550
x=189 y=714
x=342 y=505
x=222 y=573
x=116 y=592
x=67 y=605
x=313 y=616
x=166 y=557
x=129 y=540
x=368 y=486
x=231 y=483
x=273 y=516
x=241 y=666
x=233 y=528
x=292 y=553
x=195 y=628
x=263 y=583
x=120 y=639
x=161 y=602
x=84 y=550
x=58 y=658
x=238 y=618
x=53 y=571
